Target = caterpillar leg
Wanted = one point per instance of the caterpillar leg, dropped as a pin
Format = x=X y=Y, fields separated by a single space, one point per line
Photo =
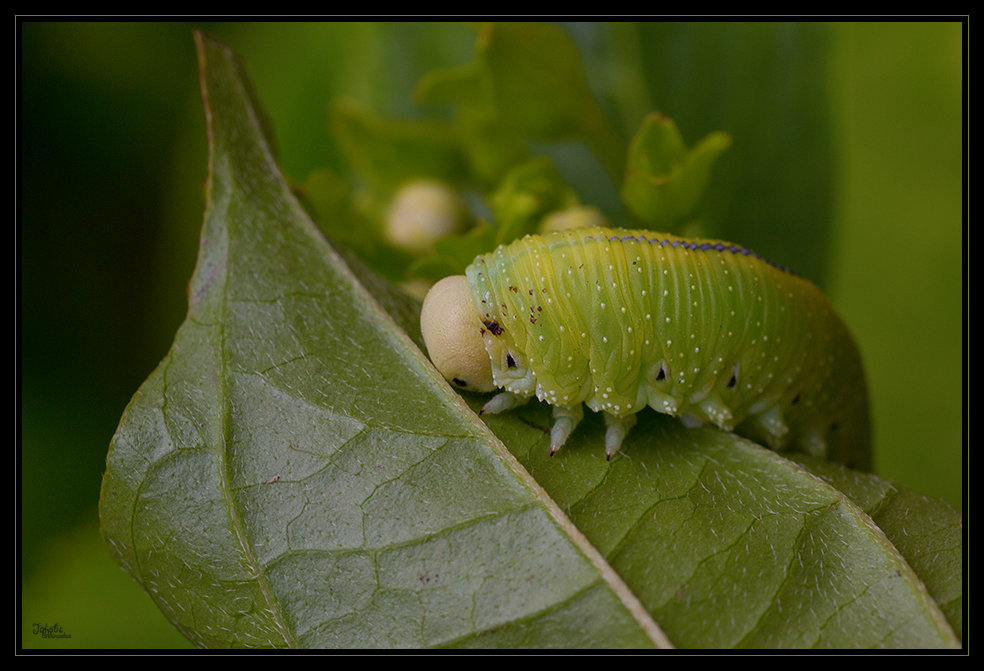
x=565 y=419
x=718 y=412
x=814 y=444
x=618 y=428
x=690 y=421
x=503 y=402
x=773 y=428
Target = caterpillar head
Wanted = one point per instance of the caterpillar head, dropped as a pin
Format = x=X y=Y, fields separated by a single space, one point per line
x=452 y=331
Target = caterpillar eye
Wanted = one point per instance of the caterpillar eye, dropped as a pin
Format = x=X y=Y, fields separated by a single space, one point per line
x=733 y=382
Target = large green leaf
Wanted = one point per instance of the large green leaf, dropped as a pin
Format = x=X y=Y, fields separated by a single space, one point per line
x=296 y=474
x=927 y=532
x=728 y=544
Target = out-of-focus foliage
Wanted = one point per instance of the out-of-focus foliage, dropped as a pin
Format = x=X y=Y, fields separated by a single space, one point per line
x=664 y=183
x=526 y=83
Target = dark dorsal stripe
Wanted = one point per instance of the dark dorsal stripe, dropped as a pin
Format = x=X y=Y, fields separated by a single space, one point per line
x=696 y=246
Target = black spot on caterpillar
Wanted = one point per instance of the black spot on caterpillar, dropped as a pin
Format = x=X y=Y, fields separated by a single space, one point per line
x=701 y=329
x=493 y=328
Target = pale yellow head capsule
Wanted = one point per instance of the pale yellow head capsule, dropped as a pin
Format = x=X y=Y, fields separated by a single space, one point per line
x=452 y=331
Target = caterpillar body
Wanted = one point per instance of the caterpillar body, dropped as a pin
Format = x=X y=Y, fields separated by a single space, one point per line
x=623 y=319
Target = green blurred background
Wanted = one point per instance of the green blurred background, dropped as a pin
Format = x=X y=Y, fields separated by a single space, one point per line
x=113 y=161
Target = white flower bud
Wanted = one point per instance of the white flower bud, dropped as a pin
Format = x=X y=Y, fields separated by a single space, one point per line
x=421 y=212
x=580 y=216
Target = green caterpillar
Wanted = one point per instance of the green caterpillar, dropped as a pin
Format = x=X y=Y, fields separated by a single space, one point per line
x=620 y=320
